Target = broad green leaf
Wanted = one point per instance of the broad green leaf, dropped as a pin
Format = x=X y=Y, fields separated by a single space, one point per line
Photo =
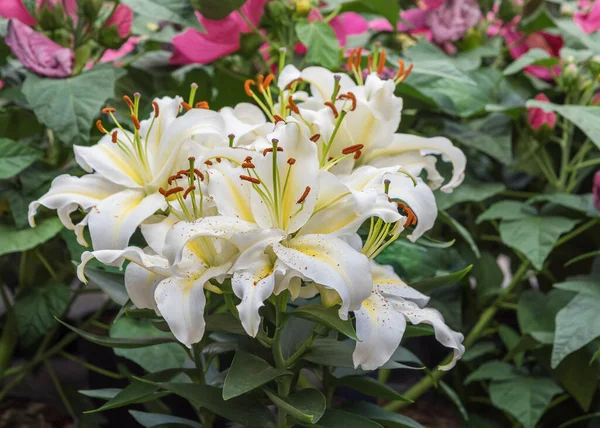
x=68 y=106
x=149 y=420
x=17 y=123
x=390 y=10
x=335 y=418
x=581 y=203
x=431 y=64
x=111 y=283
x=577 y=324
x=177 y=11
x=491 y=135
x=453 y=396
x=511 y=340
x=378 y=414
x=136 y=391
x=535 y=236
x=160 y=357
x=105 y=394
x=36 y=307
x=329 y=352
x=125 y=343
x=15 y=240
x=536 y=312
x=15 y=157
x=246 y=410
x=469 y=191
x=506 y=210
x=583 y=285
x=532 y=57
x=224 y=322
x=524 y=397
x=321 y=43
x=571 y=29
x=586 y=118
x=372 y=387
x=430 y=284
x=493 y=370
x=248 y=372
x=489 y=277
x=326 y=316
x=306 y=405
x=538 y=20
x=461 y=230
x=478 y=350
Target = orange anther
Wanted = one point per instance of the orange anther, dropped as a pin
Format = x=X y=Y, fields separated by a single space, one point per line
x=292 y=106
x=108 y=110
x=278 y=119
x=247 y=84
x=100 y=127
x=358 y=58
x=128 y=101
x=186 y=106
x=202 y=105
x=250 y=179
x=268 y=81
x=162 y=191
x=304 y=195
x=135 y=121
x=370 y=62
x=352 y=149
x=173 y=190
x=265 y=151
x=349 y=96
x=209 y=163
x=357 y=155
x=156 y=110
x=279 y=149
x=381 y=63
x=333 y=108
x=249 y=158
x=248 y=165
x=411 y=218
x=199 y=174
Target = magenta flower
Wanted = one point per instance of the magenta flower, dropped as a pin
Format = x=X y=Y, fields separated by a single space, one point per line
x=596 y=190
x=16 y=9
x=221 y=38
x=538 y=117
x=37 y=52
x=122 y=18
x=589 y=20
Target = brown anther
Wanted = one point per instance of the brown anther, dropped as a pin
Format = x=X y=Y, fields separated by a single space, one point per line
x=186 y=106
x=333 y=108
x=304 y=195
x=156 y=110
x=203 y=105
x=381 y=63
x=128 y=101
x=247 y=84
x=250 y=179
x=260 y=79
x=370 y=63
x=199 y=174
x=278 y=119
x=279 y=149
x=162 y=191
x=289 y=85
x=209 y=163
x=173 y=178
x=173 y=190
x=248 y=165
x=352 y=149
x=114 y=137
x=349 y=96
x=267 y=150
x=292 y=106
x=135 y=121
x=248 y=159
x=351 y=59
x=291 y=161
x=411 y=218
x=315 y=138
x=268 y=81
x=358 y=58
x=108 y=110
x=100 y=127
x=218 y=160
x=183 y=172
x=357 y=155
x=189 y=189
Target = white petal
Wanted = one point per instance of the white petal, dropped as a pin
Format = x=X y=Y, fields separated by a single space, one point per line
x=181 y=302
x=253 y=286
x=446 y=336
x=67 y=193
x=140 y=284
x=168 y=109
x=115 y=219
x=252 y=245
x=246 y=122
x=390 y=285
x=287 y=76
x=231 y=194
x=332 y=263
x=380 y=329
x=155 y=230
x=322 y=82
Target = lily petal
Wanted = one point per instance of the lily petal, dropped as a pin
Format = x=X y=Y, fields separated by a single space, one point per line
x=232 y=195
x=289 y=74
x=390 y=285
x=141 y=284
x=322 y=82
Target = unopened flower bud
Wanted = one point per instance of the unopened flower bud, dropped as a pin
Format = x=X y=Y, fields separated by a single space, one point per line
x=303 y=7
x=538 y=118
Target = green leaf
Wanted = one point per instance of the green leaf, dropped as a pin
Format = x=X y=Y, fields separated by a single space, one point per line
x=492 y=370
x=177 y=11
x=105 y=394
x=378 y=414
x=581 y=203
x=246 y=410
x=584 y=285
x=535 y=236
x=506 y=210
x=149 y=420
x=334 y=418
x=160 y=357
x=583 y=257
x=571 y=29
x=479 y=350
x=369 y=386
x=586 y=118
x=36 y=307
x=329 y=352
x=536 y=312
x=136 y=391
x=248 y=372
x=68 y=106
x=224 y=322
x=321 y=43
x=15 y=157
x=431 y=65
x=532 y=57
x=489 y=278
x=390 y=10
x=491 y=135
x=306 y=405
x=580 y=419
x=217 y=9
x=111 y=342
x=112 y=284
x=15 y=240
x=461 y=230
x=577 y=324
x=511 y=340
x=524 y=397
x=430 y=284
x=469 y=191
x=326 y=316
x=451 y=394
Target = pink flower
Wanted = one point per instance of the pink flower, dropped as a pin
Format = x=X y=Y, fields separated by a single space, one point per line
x=1 y=84
x=122 y=18
x=596 y=99
x=538 y=117
x=588 y=21
x=16 y=9
x=113 y=54
x=596 y=190
x=37 y=52
x=221 y=37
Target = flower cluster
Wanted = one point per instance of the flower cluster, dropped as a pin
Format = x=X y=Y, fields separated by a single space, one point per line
x=297 y=192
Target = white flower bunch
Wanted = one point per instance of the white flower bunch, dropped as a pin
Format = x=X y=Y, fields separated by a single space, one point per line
x=269 y=198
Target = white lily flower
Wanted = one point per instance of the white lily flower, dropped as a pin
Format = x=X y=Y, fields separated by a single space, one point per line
x=130 y=168
x=247 y=124
x=381 y=321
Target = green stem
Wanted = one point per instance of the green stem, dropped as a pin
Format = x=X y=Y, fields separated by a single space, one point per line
x=577 y=232
x=47 y=265
x=301 y=350
x=89 y=366
x=423 y=385
x=60 y=390
x=8 y=341
x=284 y=383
